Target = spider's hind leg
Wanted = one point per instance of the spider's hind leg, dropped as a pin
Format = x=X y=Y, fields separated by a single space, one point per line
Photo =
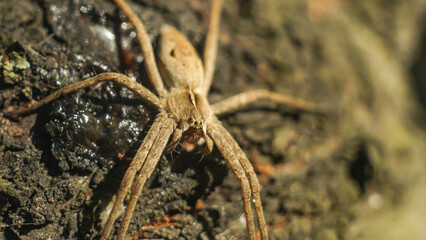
x=146 y=47
x=211 y=45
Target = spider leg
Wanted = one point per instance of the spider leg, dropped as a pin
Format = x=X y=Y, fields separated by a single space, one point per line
x=146 y=47
x=161 y=127
x=254 y=182
x=118 y=78
x=249 y=184
x=177 y=135
x=210 y=48
x=242 y=99
x=207 y=148
x=146 y=171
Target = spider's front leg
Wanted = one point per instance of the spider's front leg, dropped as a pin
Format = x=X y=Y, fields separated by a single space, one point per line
x=118 y=78
x=145 y=172
x=143 y=163
x=243 y=99
x=244 y=172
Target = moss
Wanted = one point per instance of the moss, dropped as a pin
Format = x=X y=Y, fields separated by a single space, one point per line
x=13 y=67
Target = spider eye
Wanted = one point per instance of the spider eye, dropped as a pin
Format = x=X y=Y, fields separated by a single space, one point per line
x=195 y=122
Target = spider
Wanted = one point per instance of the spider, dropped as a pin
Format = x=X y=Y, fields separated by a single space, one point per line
x=181 y=82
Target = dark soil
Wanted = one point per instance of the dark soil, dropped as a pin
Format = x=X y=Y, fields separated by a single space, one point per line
x=354 y=173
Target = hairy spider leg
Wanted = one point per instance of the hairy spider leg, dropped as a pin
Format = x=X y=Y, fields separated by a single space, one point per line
x=150 y=142
x=118 y=78
x=146 y=47
x=145 y=172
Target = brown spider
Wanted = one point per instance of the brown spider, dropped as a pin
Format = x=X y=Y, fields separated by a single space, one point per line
x=181 y=83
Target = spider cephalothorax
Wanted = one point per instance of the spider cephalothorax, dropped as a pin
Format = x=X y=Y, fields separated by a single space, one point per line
x=191 y=112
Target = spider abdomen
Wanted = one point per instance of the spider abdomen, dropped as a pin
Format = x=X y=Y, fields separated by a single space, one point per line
x=178 y=61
